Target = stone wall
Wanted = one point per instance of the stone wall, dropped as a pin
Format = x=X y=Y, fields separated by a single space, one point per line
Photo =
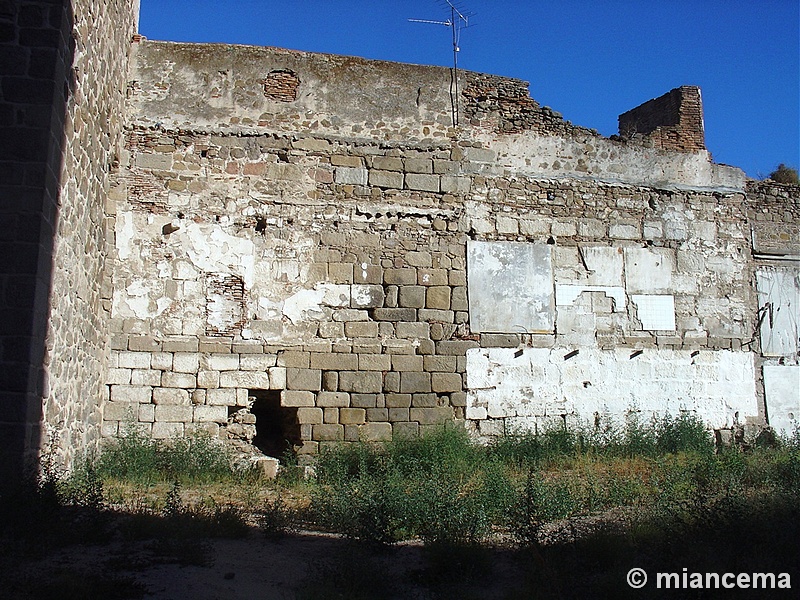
x=309 y=236
x=64 y=68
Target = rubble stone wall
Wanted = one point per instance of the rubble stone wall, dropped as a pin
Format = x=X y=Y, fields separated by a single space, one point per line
x=61 y=111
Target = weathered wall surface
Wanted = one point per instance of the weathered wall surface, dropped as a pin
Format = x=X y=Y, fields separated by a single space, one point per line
x=314 y=227
x=62 y=92
x=774 y=214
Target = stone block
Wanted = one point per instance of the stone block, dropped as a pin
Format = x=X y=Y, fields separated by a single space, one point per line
x=133 y=360
x=220 y=362
x=180 y=344
x=398 y=400
x=367 y=274
x=131 y=393
x=418 y=259
x=458 y=299
x=412 y=382
x=387 y=163
x=361 y=329
x=455 y=347
x=375 y=432
x=120 y=411
x=499 y=340
x=453 y=184
x=333 y=361
x=170 y=396
x=331 y=331
x=405 y=430
x=405 y=276
x=406 y=362
x=419 y=165
x=446 y=382
x=374 y=362
x=311 y=416
x=186 y=362
x=147 y=413
x=333 y=399
x=330 y=415
x=342 y=160
x=143 y=343
x=391 y=299
x=364 y=400
x=431 y=416
x=351 y=176
x=428 y=277
x=294 y=398
x=394 y=314
x=210 y=414
x=438 y=297
x=221 y=397
x=413 y=330
x=118 y=377
x=436 y=315
x=361 y=381
x=398 y=414
x=244 y=379
x=424 y=400
x=256 y=362
x=330 y=381
x=294 y=358
x=391 y=382
x=350 y=314
x=277 y=378
x=366 y=296
x=173 y=413
x=328 y=433
x=377 y=415
x=303 y=379
x=165 y=430
x=458 y=399
x=436 y=363
x=352 y=416
x=145 y=377
x=422 y=183
x=386 y=179
x=340 y=273
x=411 y=296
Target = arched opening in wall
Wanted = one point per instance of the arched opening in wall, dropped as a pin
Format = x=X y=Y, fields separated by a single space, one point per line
x=277 y=429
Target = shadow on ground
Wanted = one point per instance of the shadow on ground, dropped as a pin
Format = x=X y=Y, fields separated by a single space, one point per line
x=49 y=551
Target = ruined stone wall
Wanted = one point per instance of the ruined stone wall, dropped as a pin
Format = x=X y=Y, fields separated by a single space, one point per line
x=286 y=230
x=673 y=121
x=64 y=73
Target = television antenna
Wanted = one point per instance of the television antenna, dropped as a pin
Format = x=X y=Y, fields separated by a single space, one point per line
x=459 y=20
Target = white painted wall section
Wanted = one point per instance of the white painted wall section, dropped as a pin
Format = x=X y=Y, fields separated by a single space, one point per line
x=528 y=387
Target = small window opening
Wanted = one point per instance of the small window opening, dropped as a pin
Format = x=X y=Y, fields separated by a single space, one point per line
x=277 y=429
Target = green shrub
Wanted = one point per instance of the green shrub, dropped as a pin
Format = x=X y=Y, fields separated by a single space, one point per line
x=136 y=457
x=784 y=174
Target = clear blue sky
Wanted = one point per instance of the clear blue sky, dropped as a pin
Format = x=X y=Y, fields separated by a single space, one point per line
x=589 y=60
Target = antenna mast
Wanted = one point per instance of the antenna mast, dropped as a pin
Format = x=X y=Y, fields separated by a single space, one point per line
x=458 y=20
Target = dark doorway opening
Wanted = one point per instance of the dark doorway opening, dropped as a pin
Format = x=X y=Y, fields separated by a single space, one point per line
x=277 y=429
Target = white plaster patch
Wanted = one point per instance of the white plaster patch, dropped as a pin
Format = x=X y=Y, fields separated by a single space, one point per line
x=782 y=393
x=137 y=300
x=123 y=234
x=510 y=287
x=213 y=250
x=567 y=294
x=648 y=270
x=779 y=307
x=656 y=313
x=305 y=305
x=604 y=265
x=541 y=383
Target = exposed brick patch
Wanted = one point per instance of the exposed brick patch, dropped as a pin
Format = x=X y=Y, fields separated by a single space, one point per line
x=673 y=121
x=281 y=85
x=225 y=308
